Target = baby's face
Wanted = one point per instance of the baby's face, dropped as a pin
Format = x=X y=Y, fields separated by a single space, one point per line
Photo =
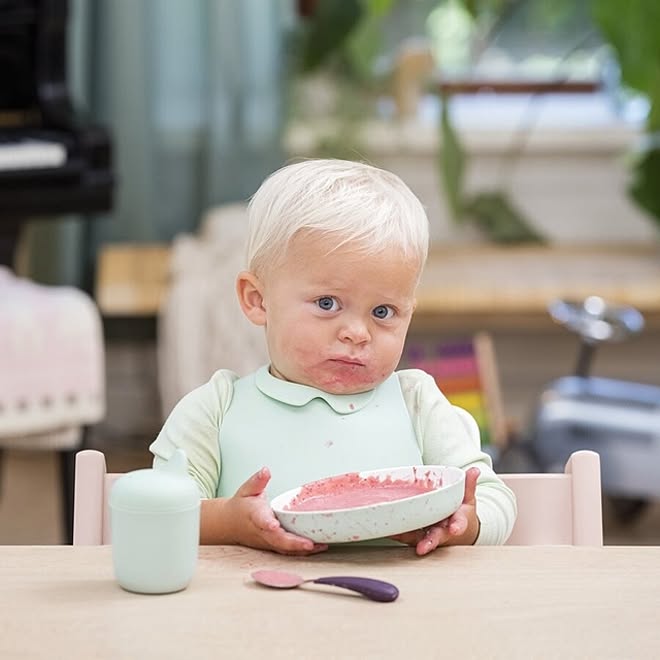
x=338 y=321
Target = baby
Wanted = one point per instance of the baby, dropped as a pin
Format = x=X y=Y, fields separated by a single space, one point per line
x=334 y=255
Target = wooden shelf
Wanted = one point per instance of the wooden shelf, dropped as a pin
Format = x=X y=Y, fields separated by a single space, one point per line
x=462 y=285
x=132 y=279
x=513 y=285
x=556 y=86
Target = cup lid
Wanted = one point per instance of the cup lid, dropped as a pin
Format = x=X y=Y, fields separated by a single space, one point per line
x=165 y=488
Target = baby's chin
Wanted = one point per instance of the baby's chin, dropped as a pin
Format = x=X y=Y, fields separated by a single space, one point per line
x=346 y=390
x=343 y=381
x=334 y=384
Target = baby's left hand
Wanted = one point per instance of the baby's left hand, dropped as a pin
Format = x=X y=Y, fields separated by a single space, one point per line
x=461 y=528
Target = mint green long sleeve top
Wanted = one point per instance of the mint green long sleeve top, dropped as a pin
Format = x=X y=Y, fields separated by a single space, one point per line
x=230 y=427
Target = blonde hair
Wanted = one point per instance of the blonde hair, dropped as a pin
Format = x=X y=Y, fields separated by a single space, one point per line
x=353 y=203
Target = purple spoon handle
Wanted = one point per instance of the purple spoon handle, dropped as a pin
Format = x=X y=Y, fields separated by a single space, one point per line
x=379 y=590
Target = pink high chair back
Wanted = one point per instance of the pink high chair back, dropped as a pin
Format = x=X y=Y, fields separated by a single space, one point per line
x=91 y=519
x=559 y=509
x=553 y=509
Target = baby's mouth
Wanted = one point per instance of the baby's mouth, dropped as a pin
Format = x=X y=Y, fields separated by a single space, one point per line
x=354 y=362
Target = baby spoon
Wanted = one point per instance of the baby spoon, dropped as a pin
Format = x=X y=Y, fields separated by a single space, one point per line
x=373 y=589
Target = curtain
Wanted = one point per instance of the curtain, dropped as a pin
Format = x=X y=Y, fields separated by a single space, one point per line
x=194 y=95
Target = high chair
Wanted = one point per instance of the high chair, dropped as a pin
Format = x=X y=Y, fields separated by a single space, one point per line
x=559 y=509
x=553 y=509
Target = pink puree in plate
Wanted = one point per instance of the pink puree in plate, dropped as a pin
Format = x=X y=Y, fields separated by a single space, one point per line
x=350 y=490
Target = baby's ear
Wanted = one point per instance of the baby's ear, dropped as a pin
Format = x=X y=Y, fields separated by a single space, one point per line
x=250 y=297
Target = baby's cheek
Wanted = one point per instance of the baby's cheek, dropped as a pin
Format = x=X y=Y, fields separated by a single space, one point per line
x=302 y=353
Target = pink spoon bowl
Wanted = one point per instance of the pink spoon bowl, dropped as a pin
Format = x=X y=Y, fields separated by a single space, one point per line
x=377 y=590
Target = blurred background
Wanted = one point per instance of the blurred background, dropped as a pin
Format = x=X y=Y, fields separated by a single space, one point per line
x=132 y=135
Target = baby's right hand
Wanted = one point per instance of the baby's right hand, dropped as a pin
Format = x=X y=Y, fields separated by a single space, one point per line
x=255 y=523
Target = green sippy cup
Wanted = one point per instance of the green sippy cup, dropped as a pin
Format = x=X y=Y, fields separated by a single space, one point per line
x=154 y=525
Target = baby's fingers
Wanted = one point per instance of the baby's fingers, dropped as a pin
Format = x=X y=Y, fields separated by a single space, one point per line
x=408 y=538
x=471 y=477
x=291 y=544
x=435 y=536
x=264 y=519
x=255 y=485
x=458 y=523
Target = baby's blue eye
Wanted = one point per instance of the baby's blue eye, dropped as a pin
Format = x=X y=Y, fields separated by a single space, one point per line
x=383 y=312
x=327 y=303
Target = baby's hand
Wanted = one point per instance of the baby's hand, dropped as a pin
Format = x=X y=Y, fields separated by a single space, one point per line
x=256 y=525
x=461 y=528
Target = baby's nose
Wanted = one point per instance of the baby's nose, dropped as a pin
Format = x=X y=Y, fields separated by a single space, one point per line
x=355 y=331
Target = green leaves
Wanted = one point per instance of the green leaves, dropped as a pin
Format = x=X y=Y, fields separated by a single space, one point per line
x=646 y=177
x=363 y=45
x=634 y=33
x=349 y=31
x=452 y=163
x=492 y=211
x=378 y=7
x=496 y=215
x=633 y=30
x=327 y=30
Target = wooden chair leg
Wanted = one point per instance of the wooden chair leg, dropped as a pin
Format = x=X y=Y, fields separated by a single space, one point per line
x=67 y=460
x=2 y=454
x=67 y=484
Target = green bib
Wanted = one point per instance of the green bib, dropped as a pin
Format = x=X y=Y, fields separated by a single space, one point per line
x=302 y=434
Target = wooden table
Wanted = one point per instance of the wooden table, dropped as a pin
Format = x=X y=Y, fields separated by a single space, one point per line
x=475 y=602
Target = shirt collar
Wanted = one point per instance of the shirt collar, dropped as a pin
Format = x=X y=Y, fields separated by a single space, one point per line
x=295 y=394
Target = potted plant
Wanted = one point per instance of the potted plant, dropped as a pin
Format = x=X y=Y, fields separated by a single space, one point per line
x=346 y=35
